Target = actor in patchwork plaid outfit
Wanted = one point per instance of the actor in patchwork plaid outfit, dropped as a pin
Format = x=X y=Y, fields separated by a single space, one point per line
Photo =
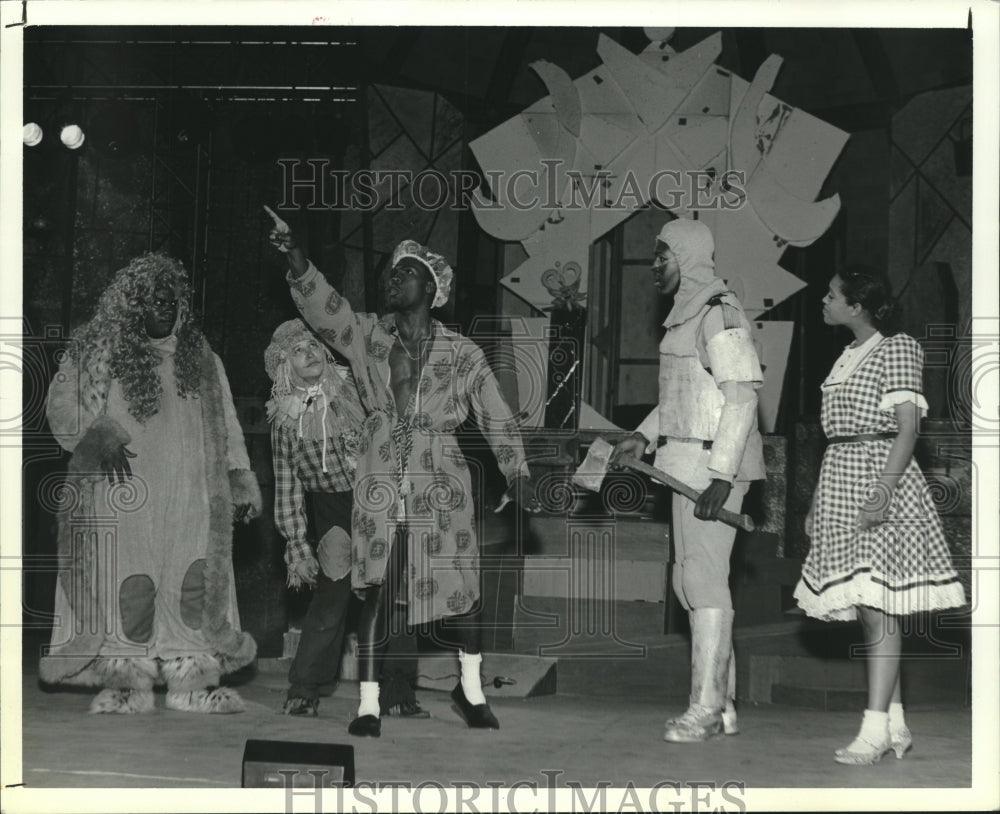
x=878 y=549
x=315 y=413
x=313 y=405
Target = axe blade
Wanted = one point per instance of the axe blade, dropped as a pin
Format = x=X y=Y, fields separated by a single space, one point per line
x=591 y=472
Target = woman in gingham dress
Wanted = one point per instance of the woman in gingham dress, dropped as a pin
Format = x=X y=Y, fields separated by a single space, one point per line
x=878 y=549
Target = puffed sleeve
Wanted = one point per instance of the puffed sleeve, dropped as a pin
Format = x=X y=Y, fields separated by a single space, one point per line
x=902 y=379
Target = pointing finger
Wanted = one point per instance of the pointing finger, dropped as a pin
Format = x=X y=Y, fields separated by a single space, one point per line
x=279 y=224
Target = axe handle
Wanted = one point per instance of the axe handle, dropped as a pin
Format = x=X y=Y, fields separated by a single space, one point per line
x=740 y=521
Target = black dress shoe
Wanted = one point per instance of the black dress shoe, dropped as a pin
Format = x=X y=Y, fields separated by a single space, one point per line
x=366 y=726
x=407 y=709
x=478 y=716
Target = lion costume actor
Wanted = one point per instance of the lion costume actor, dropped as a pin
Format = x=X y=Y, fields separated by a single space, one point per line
x=159 y=472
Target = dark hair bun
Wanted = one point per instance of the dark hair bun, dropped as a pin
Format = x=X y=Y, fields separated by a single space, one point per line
x=870 y=288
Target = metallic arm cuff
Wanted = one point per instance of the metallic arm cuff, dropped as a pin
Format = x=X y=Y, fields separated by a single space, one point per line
x=735 y=424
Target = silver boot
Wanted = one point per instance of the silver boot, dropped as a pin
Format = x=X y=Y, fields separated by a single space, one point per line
x=711 y=645
x=730 y=725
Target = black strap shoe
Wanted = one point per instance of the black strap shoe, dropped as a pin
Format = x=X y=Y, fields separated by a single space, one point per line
x=478 y=716
x=366 y=726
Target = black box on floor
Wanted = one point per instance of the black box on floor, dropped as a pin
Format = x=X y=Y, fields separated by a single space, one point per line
x=295 y=764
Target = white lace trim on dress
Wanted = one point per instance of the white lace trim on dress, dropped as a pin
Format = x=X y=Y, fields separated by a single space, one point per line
x=890 y=400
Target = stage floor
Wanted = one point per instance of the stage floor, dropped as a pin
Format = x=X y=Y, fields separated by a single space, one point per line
x=588 y=739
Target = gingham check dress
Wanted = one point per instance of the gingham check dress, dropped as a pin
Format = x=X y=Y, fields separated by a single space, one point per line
x=903 y=565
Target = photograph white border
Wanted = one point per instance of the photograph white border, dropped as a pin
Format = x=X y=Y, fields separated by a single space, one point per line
x=985 y=15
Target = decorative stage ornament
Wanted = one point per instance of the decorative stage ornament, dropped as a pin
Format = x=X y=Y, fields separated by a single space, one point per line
x=768 y=129
x=644 y=127
x=564 y=286
x=663 y=125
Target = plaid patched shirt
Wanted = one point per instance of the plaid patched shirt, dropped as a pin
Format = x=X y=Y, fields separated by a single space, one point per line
x=298 y=468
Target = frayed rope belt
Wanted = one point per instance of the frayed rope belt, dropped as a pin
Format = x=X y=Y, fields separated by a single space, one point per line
x=856 y=439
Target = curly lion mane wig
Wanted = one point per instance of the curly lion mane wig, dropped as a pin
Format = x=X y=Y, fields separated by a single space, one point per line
x=113 y=344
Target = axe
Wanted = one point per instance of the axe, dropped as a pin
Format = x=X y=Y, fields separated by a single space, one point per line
x=591 y=473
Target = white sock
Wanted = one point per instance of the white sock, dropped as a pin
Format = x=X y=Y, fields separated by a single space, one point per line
x=896 y=720
x=874 y=726
x=369 y=699
x=471 y=684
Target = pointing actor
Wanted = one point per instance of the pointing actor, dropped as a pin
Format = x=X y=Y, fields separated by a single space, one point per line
x=413 y=529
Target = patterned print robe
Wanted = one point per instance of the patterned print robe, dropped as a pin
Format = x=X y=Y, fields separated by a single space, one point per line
x=410 y=469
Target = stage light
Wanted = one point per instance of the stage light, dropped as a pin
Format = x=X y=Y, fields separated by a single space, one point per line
x=294 y=764
x=32 y=134
x=72 y=136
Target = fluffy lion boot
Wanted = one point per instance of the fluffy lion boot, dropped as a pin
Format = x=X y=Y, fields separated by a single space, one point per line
x=128 y=686
x=192 y=686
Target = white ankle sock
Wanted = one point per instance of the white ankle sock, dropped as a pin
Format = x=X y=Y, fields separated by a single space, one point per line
x=471 y=684
x=369 y=699
x=874 y=726
x=896 y=719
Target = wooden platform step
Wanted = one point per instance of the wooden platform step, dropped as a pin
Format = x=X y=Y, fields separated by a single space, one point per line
x=593 y=574
x=660 y=671
x=547 y=625
x=600 y=558
x=841 y=683
x=628 y=538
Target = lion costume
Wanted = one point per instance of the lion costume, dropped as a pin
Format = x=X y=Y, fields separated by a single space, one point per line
x=146 y=592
